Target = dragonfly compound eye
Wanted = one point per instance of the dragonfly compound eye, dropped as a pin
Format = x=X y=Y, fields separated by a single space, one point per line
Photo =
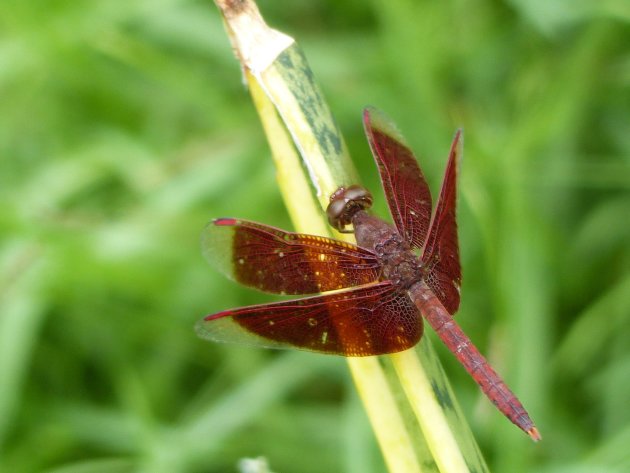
x=344 y=203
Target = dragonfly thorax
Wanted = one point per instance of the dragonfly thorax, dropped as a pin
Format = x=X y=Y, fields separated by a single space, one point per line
x=403 y=268
x=398 y=262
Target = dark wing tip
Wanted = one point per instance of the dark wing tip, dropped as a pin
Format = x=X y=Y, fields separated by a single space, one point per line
x=458 y=144
x=377 y=120
x=218 y=315
x=224 y=221
x=459 y=135
x=367 y=114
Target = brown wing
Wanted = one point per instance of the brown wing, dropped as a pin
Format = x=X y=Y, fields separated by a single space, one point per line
x=441 y=253
x=407 y=192
x=280 y=262
x=368 y=320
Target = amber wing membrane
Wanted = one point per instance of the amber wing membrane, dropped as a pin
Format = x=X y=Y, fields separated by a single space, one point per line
x=441 y=253
x=367 y=320
x=407 y=192
x=279 y=262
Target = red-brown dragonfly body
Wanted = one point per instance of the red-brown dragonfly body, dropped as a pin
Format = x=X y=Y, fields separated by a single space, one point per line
x=381 y=285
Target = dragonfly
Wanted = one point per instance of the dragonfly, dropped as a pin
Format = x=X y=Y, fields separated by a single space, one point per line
x=372 y=296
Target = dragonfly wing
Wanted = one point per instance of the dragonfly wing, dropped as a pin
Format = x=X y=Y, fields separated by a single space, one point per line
x=272 y=260
x=441 y=253
x=367 y=320
x=407 y=192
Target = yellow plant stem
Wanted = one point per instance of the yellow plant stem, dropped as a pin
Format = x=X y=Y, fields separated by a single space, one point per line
x=385 y=418
x=305 y=141
x=306 y=215
x=417 y=386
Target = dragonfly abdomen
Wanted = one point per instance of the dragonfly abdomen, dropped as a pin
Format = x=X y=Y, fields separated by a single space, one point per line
x=458 y=342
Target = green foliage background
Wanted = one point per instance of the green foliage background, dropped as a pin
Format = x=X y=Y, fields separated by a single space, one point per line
x=125 y=127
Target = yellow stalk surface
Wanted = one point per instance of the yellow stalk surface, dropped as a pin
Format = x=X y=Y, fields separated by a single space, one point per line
x=312 y=162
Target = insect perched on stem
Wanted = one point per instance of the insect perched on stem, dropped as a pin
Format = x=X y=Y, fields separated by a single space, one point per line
x=381 y=287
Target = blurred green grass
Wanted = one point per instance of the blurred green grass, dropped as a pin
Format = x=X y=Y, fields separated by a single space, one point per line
x=124 y=127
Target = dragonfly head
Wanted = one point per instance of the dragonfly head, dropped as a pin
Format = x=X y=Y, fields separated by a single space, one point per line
x=344 y=203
